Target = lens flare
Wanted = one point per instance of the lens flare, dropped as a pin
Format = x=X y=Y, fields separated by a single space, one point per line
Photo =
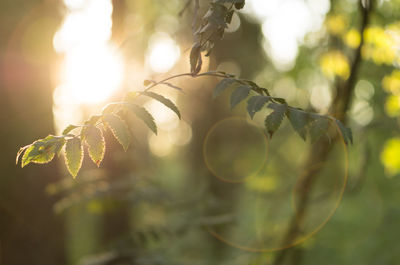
x=234 y=150
x=284 y=203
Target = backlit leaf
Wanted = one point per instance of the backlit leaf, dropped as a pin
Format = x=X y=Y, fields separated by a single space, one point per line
x=110 y=108
x=73 y=155
x=96 y=145
x=118 y=128
x=144 y=115
x=93 y=120
x=41 y=151
x=20 y=152
x=164 y=101
x=69 y=129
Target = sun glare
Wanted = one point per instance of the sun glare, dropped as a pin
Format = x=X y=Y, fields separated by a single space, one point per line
x=92 y=74
x=91 y=69
x=163 y=53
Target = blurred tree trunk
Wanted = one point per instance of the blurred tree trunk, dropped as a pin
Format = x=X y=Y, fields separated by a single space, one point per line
x=319 y=153
x=30 y=232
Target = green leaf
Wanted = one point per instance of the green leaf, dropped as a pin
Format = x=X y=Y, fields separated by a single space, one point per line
x=168 y=103
x=299 y=120
x=111 y=108
x=93 y=120
x=255 y=104
x=59 y=146
x=346 y=132
x=318 y=127
x=118 y=128
x=40 y=152
x=69 y=129
x=239 y=94
x=222 y=85
x=96 y=144
x=274 y=120
x=20 y=152
x=144 y=115
x=73 y=155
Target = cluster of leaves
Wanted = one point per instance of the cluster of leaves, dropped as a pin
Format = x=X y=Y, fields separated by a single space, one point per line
x=303 y=122
x=114 y=117
x=211 y=29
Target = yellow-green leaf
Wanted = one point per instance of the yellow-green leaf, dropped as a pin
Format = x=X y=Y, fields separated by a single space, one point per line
x=144 y=115
x=96 y=145
x=168 y=103
x=73 y=155
x=40 y=152
x=69 y=129
x=119 y=129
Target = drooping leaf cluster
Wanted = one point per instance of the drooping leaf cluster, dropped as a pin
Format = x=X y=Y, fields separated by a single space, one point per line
x=303 y=122
x=114 y=117
x=212 y=29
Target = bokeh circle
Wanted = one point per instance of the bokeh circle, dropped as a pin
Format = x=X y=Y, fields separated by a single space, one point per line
x=286 y=201
x=234 y=149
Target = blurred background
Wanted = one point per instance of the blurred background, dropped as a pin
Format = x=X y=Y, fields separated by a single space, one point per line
x=209 y=188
